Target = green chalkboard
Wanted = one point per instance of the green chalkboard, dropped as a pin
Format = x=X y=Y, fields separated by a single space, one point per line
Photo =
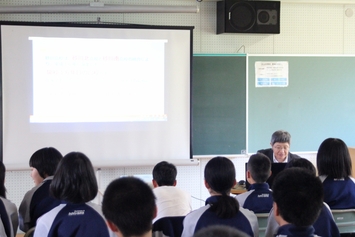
x=219 y=104
x=318 y=103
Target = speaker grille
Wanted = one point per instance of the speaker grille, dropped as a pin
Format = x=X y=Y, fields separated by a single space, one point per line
x=242 y=16
x=237 y=16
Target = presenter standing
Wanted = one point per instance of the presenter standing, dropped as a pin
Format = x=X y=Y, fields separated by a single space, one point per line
x=280 y=148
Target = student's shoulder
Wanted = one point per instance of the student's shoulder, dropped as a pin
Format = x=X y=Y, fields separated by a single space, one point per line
x=28 y=195
x=250 y=215
x=7 y=202
x=244 y=195
x=196 y=214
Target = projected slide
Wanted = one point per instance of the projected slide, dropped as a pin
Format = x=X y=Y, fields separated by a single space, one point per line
x=119 y=95
x=97 y=80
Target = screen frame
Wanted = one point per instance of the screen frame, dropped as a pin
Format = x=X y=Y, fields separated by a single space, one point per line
x=101 y=25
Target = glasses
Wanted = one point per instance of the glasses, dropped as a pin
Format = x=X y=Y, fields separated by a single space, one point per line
x=279 y=148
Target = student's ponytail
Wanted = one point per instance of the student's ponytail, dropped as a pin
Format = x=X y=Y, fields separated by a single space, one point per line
x=220 y=176
x=226 y=206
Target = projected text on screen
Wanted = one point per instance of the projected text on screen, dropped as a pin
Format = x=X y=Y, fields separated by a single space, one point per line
x=122 y=80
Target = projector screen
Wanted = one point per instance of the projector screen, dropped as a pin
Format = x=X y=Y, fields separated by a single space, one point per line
x=119 y=94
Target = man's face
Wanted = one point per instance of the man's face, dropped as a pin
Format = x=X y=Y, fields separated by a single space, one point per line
x=280 y=150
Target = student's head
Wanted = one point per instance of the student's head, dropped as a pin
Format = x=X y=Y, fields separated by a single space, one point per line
x=164 y=174
x=280 y=144
x=74 y=180
x=298 y=197
x=2 y=180
x=43 y=163
x=302 y=163
x=219 y=180
x=129 y=207
x=220 y=231
x=333 y=158
x=258 y=168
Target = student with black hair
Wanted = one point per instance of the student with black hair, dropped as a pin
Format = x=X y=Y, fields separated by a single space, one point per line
x=298 y=200
x=74 y=185
x=334 y=169
x=129 y=207
x=37 y=201
x=170 y=200
x=324 y=225
x=221 y=208
x=259 y=196
x=7 y=206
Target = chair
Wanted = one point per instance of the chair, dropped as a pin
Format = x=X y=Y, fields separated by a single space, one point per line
x=170 y=226
x=262 y=221
x=30 y=232
x=345 y=220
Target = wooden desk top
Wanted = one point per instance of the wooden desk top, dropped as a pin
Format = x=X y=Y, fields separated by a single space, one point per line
x=238 y=189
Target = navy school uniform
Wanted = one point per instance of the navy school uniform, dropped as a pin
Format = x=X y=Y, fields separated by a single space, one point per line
x=36 y=202
x=258 y=199
x=294 y=231
x=245 y=220
x=339 y=193
x=75 y=220
x=324 y=225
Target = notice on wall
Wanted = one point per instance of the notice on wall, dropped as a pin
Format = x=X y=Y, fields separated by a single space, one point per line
x=271 y=74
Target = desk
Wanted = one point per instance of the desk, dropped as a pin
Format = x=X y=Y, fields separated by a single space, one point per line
x=238 y=189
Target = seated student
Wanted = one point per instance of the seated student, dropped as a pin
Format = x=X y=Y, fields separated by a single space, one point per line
x=37 y=201
x=10 y=208
x=129 y=207
x=220 y=231
x=75 y=185
x=334 y=170
x=220 y=208
x=298 y=200
x=280 y=146
x=324 y=225
x=170 y=200
x=259 y=197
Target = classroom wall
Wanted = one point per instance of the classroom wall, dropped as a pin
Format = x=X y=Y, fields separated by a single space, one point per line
x=305 y=29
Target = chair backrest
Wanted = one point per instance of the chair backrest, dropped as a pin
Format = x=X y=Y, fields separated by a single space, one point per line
x=345 y=220
x=30 y=232
x=170 y=226
x=262 y=221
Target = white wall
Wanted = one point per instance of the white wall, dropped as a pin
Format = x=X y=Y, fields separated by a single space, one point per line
x=318 y=28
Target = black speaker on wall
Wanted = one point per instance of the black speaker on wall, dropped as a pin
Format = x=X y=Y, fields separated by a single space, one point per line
x=236 y=16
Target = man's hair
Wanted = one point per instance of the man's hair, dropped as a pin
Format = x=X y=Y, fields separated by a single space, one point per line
x=164 y=173
x=220 y=231
x=280 y=136
x=220 y=176
x=74 y=180
x=45 y=160
x=333 y=158
x=298 y=195
x=259 y=166
x=302 y=163
x=129 y=203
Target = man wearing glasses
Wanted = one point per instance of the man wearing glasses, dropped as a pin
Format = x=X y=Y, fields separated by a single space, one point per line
x=280 y=148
